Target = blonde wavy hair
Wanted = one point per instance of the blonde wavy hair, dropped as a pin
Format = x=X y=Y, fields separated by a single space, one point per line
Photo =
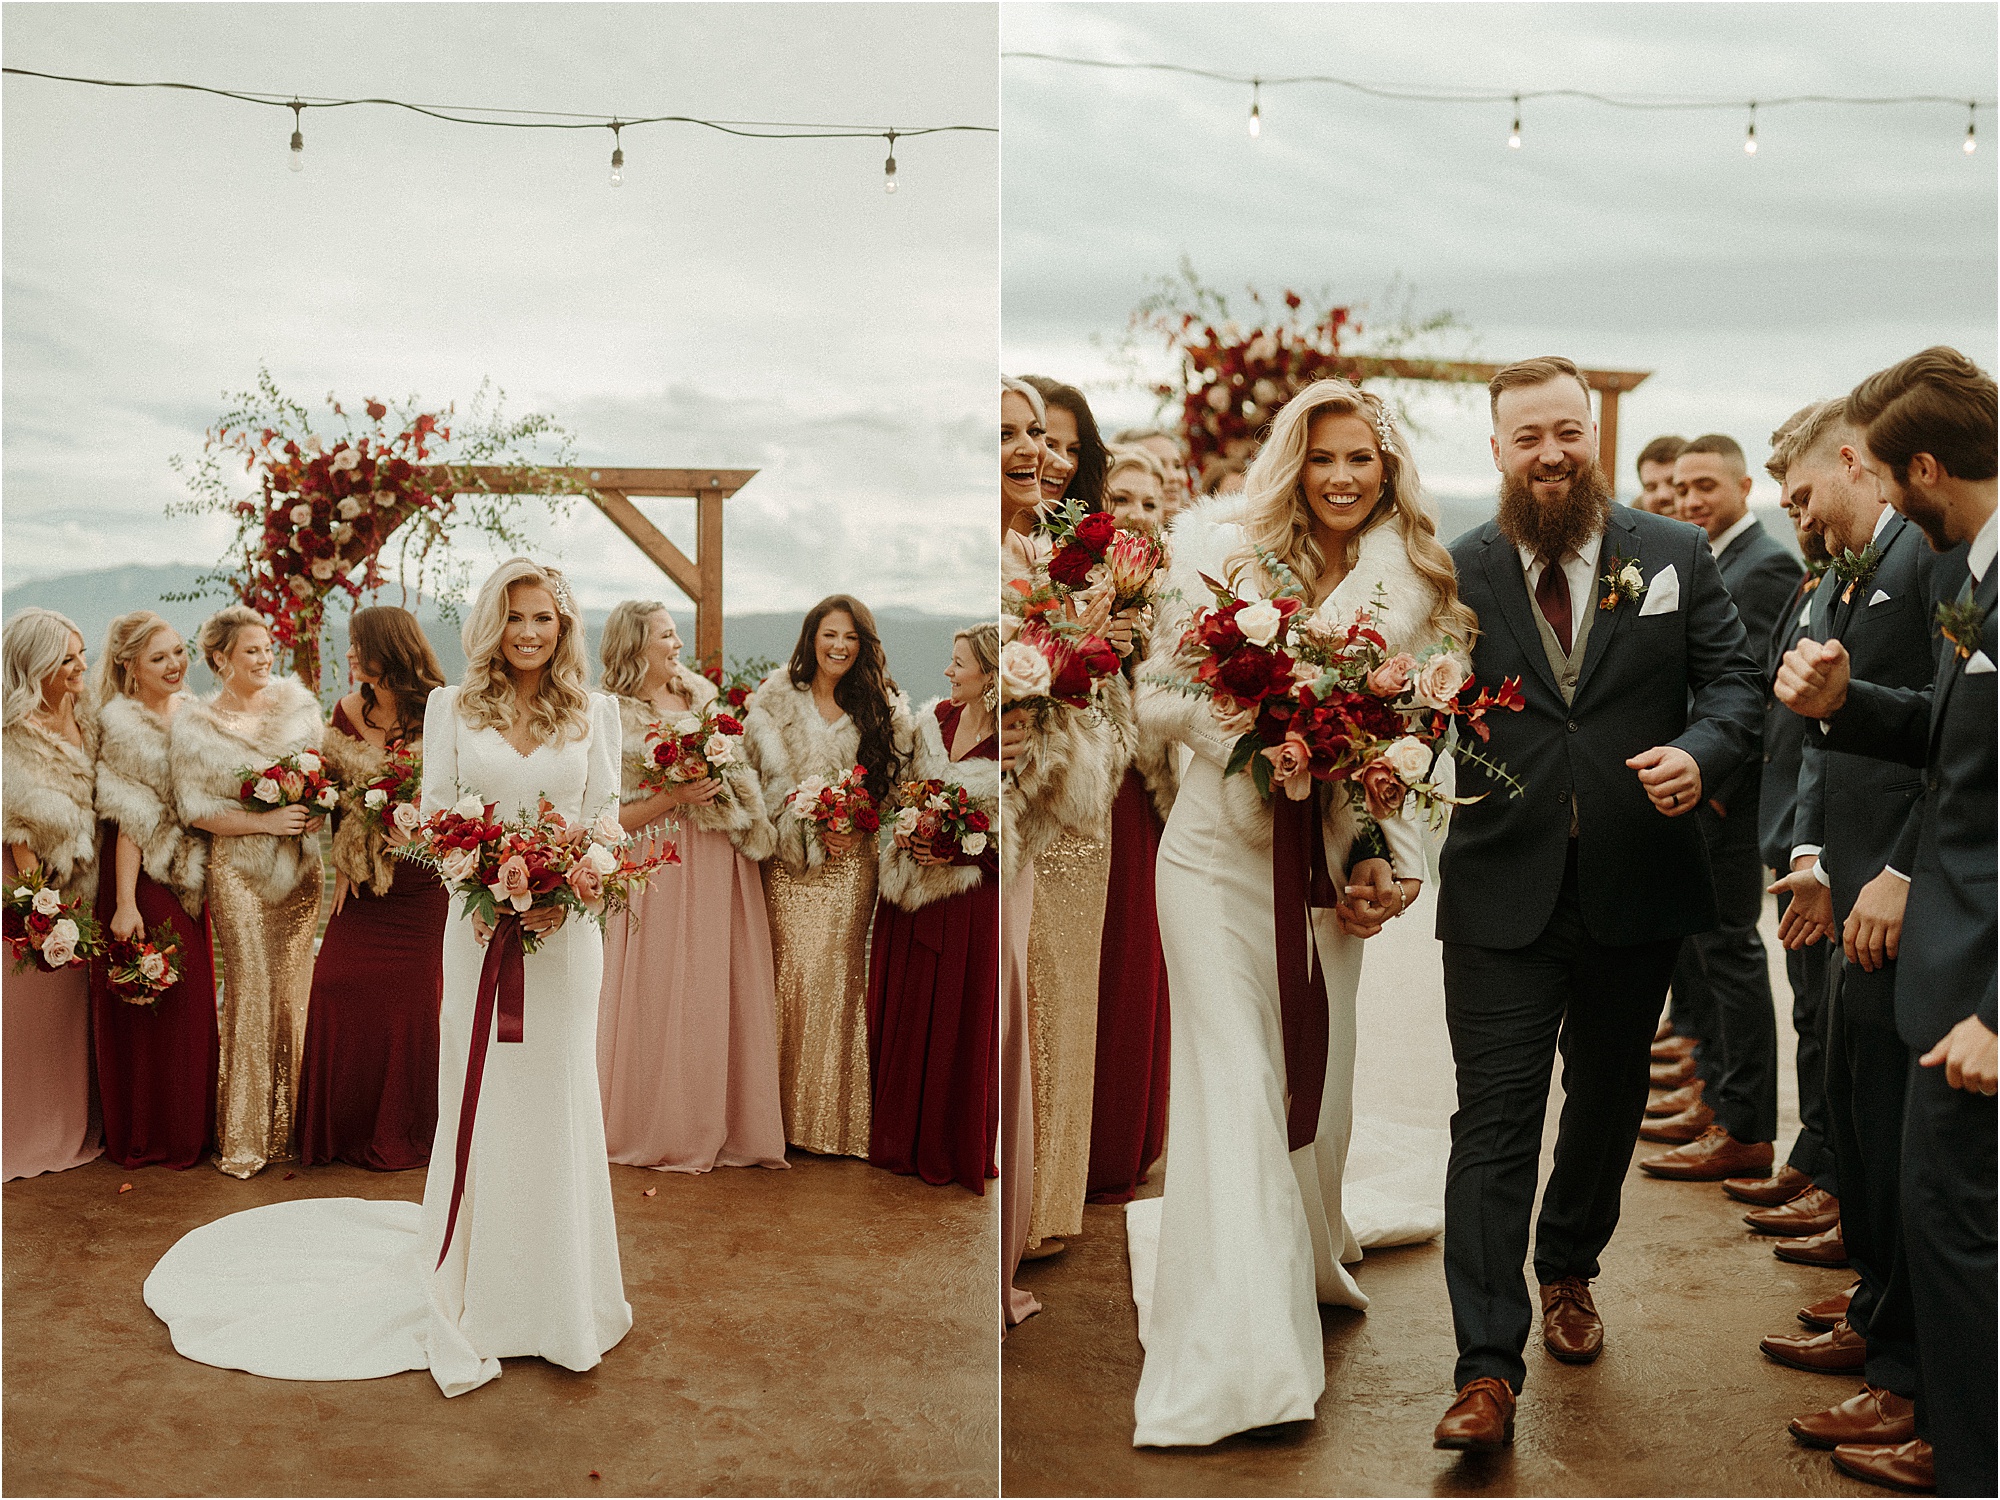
x=32 y=646
x=560 y=710
x=112 y=676
x=622 y=650
x=1277 y=520
x=217 y=636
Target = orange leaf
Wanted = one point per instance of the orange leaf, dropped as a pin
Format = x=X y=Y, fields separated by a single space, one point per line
x=124 y=1187
x=649 y=1192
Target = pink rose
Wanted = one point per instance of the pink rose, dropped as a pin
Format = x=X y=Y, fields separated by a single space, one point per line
x=1383 y=787
x=459 y=865
x=57 y=949
x=511 y=883
x=585 y=881
x=1233 y=718
x=1392 y=678
x=154 y=967
x=406 y=816
x=1441 y=678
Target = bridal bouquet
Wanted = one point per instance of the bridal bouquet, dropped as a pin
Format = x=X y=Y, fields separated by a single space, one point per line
x=1092 y=551
x=689 y=746
x=392 y=797
x=1047 y=664
x=502 y=867
x=143 y=968
x=843 y=806
x=297 y=780
x=1327 y=684
x=943 y=816
x=43 y=930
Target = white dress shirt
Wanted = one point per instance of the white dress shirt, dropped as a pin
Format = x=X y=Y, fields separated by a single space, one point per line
x=1980 y=557
x=1720 y=544
x=1580 y=568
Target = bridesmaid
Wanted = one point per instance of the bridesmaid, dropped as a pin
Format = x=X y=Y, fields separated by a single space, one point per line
x=48 y=745
x=263 y=881
x=687 y=1042
x=934 y=966
x=832 y=708
x=156 y=1064
x=368 y=1079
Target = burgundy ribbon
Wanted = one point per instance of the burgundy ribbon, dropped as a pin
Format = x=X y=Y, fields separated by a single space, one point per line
x=1300 y=880
x=500 y=985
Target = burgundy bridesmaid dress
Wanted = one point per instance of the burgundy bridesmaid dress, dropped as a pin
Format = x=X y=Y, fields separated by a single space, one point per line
x=368 y=1083
x=933 y=1024
x=1128 y=1113
x=156 y=1063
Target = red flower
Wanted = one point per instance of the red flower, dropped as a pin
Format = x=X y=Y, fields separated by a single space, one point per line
x=1071 y=565
x=1095 y=531
x=1217 y=631
x=1253 y=674
x=376 y=410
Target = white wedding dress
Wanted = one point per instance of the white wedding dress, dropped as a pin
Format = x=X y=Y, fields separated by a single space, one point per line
x=345 y=1288
x=1231 y=1263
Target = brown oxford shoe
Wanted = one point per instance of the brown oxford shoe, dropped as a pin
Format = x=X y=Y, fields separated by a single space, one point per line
x=1571 y=1328
x=1715 y=1154
x=1782 y=1186
x=1679 y=1129
x=1902 y=1466
x=1673 y=1074
x=1675 y=1100
x=1872 y=1415
x=1823 y=1249
x=1673 y=1049
x=1829 y=1310
x=1481 y=1419
x=1812 y=1212
x=1838 y=1351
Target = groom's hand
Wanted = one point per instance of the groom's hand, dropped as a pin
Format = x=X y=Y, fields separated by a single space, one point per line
x=1812 y=679
x=1671 y=779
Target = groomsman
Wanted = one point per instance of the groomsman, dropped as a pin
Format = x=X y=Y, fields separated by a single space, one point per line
x=1730 y=1131
x=1561 y=908
x=1656 y=475
x=1929 y=441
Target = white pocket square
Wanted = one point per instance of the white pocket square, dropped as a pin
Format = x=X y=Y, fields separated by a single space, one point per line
x=1877 y=597
x=1980 y=662
x=1663 y=594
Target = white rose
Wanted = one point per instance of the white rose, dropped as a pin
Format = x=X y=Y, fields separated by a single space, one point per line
x=1410 y=757
x=342 y=532
x=328 y=798
x=384 y=499
x=48 y=901
x=718 y=750
x=375 y=798
x=406 y=816
x=974 y=843
x=267 y=790
x=313 y=446
x=302 y=514
x=907 y=820
x=684 y=723
x=308 y=762
x=301 y=587
x=349 y=508
x=346 y=458
x=154 y=966
x=1631 y=577
x=1259 y=622
x=469 y=806
x=809 y=789
x=459 y=865
x=1024 y=671
x=1440 y=679
x=608 y=828
x=601 y=859
x=323 y=569
x=66 y=930
x=58 y=950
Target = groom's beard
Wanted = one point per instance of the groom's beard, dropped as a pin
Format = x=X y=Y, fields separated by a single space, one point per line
x=1553 y=528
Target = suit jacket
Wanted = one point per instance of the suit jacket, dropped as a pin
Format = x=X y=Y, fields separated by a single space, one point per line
x=1683 y=677
x=1784 y=731
x=1945 y=964
x=1761 y=577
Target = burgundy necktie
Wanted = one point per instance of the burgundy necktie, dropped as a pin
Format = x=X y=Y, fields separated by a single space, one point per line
x=1552 y=594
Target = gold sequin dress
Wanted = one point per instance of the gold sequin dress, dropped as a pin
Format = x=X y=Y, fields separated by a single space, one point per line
x=1072 y=878
x=819 y=949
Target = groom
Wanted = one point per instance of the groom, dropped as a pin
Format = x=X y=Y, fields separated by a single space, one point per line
x=1561 y=910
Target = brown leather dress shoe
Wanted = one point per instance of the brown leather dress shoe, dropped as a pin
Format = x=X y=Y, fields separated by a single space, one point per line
x=1672 y=1075
x=1823 y=1249
x=1571 y=1328
x=1481 y=1419
x=1829 y=1310
x=1812 y=1212
x=1679 y=1129
x=1872 y=1415
x=1673 y=1049
x=1782 y=1186
x=1715 y=1154
x=1838 y=1351
x=1903 y=1466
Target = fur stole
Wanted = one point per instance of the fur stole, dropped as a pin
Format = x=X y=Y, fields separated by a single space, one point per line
x=1067 y=777
x=906 y=883
x=135 y=791
x=743 y=818
x=1204 y=540
x=209 y=756
x=788 y=741
x=360 y=849
x=51 y=802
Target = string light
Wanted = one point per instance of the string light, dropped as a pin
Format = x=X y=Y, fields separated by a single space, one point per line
x=298 y=156
x=1750 y=136
x=617 y=155
x=889 y=166
x=1971 y=127
x=1256 y=114
x=1514 y=137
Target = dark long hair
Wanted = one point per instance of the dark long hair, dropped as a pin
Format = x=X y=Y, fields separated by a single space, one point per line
x=393 y=647
x=865 y=690
x=1092 y=456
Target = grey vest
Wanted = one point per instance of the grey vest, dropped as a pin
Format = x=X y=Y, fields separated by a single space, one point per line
x=1567 y=668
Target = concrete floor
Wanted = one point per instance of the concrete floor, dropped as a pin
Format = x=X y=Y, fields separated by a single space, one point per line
x=1680 y=1403
x=822 y=1331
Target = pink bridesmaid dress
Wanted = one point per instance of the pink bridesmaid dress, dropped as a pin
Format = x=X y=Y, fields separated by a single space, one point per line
x=49 y=1125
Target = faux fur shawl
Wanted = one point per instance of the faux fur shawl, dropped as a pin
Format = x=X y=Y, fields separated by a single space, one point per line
x=360 y=848
x=135 y=791
x=744 y=817
x=906 y=883
x=209 y=756
x=789 y=741
x=1067 y=777
x=1204 y=540
x=50 y=800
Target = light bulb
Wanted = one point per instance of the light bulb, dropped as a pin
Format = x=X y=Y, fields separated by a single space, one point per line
x=1256 y=112
x=298 y=160
x=889 y=175
x=1971 y=137
x=617 y=166
x=1514 y=136
x=1750 y=136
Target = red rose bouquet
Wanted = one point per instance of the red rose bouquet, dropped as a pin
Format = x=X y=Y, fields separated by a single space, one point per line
x=144 y=968
x=842 y=806
x=942 y=815
x=1048 y=663
x=43 y=930
x=689 y=746
x=392 y=797
x=1092 y=550
x=297 y=780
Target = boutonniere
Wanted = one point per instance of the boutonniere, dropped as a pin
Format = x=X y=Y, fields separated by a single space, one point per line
x=1623 y=582
x=1855 y=568
x=1960 y=622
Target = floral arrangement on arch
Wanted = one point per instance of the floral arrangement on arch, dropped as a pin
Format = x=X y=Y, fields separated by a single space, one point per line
x=329 y=494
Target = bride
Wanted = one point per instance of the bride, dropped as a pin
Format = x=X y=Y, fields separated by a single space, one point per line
x=351 y=1289
x=1251 y=1236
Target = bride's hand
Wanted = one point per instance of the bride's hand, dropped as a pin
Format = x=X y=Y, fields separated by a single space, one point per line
x=482 y=930
x=1373 y=896
x=543 y=920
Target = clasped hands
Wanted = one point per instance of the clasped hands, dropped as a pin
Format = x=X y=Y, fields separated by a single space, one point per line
x=1372 y=896
x=540 y=920
x=1119 y=629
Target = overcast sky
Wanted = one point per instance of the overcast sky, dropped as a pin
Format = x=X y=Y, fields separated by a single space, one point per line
x=735 y=304
x=1748 y=285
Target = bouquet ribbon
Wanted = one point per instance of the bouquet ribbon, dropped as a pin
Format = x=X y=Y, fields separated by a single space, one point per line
x=501 y=987
x=1300 y=880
